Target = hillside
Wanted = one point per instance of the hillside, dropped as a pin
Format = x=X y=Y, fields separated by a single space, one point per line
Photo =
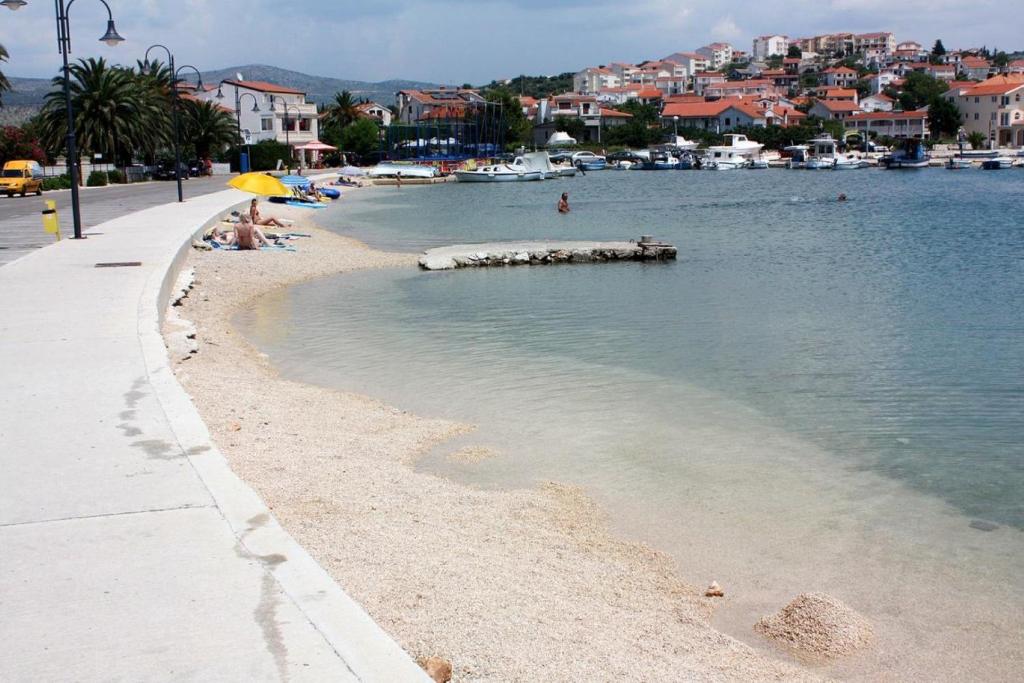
x=27 y=93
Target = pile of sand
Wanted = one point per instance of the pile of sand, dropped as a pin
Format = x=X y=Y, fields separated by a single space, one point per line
x=819 y=625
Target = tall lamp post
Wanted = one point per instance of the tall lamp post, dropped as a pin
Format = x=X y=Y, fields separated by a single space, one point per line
x=287 y=124
x=675 y=129
x=174 y=107
x=111 y=38
x=238 y=111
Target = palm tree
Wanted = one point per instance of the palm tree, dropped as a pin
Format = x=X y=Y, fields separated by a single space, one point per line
x=343 y=110
x=115 y=113
x=5 y=85
x=207 y=126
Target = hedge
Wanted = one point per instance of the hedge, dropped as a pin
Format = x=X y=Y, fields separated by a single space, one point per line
x=97 y=179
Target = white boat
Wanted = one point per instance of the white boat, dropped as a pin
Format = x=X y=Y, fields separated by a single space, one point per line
x=850 y=163
x=737 y=154
x=958 y=163
x=822 y=153
x=684 y=145
x=589 y=161
x=797 y=156
x=498 y=173
x=537 y=161
x=564 y=170
x=623 y=165
x=758 y=164
x=392 y=170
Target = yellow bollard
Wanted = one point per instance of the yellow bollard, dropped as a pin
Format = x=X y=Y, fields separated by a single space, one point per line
x=51 y=223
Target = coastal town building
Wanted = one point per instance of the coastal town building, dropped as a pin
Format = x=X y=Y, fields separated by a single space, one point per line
x=877 y=102
x=835 y=110
x=691 y=61
x=719 y=116
x=839 y=77
x=994 y=108
x=751 y=87
x=893 y=124
x=595 y=78
x=1015 y=67
x=378 y=112
x=416 y=105
x=267 y=111
x=702 y=80
x=769 y=46
x=584 y=107
x=975 y=68
x=717 y=54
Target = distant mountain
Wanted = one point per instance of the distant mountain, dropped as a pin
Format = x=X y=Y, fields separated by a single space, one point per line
x=27 y=93
x=318 y=89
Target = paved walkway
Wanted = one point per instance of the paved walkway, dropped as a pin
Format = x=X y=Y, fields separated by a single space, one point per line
x=130 y=550
x=21 y=223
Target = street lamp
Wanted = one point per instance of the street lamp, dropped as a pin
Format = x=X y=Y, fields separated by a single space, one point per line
x=238 y=111
x=111 y=38
x=287 y=124
x=174 y=107
x=675 y=128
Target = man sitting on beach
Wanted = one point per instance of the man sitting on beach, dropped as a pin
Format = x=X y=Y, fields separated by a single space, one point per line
x=247 y=235
x=258 y=219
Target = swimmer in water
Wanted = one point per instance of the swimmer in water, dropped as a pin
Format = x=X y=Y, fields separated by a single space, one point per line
x=842 y=197
x=563 y=203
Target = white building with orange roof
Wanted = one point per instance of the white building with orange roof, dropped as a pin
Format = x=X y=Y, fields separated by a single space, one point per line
x=594 y=78
x=995 y=108
x=878 y=102
x=703 y=79
x=691 y=61
x=834 y=110
x=750 y=88
x=975 y=68
x=1015 y=67
x=773 y=45
x=893 y=124
x=377 y=112
x=839 y=77
x=416 y=105
x=267 y=111
x=717 y=54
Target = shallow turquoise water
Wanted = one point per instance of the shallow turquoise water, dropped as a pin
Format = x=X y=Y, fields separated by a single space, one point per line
x=887 y=330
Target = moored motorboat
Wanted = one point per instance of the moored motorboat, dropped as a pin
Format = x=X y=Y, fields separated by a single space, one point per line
x=737 y=154
x=997 y=163
x=498 y=173
x=797 y=156
x=912 y=155
x=958 y=163
x=758 y=164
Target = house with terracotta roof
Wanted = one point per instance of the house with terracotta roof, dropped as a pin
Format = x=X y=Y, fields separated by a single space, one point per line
x=878 y=102
x=377 y=112
x=267 y=111
x=1015 y=67
x=595 y=117
x=769 y=46
x=691 y=61
x=720 y=115
x=995 y=108
x=835 y=110
x=883 y=79
x=703 y=79
x=837 y=94
x=752 y=87
x=975 y=68
x=594 y=78
x=717 y=54
x=893 y=124
x=839 y=77
x=414 y=105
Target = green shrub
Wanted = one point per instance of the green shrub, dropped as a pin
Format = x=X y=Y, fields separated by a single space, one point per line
x=97 y=179
x=60 y=182
x=115 y=176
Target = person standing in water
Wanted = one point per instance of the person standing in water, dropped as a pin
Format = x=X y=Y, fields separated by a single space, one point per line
x=563 y=203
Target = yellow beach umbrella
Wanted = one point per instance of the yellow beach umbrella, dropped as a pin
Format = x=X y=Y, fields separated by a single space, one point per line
x=258 y=183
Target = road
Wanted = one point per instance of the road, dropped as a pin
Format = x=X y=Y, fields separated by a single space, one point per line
x=21 y=223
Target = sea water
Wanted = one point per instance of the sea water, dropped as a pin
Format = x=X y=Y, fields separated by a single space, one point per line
x=818 y=395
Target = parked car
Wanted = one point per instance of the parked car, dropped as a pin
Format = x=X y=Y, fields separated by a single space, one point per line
x=21 y=177
x=624 y=155
x=165 y=171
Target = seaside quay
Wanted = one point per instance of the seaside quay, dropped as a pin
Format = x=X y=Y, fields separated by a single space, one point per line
x=131 y=550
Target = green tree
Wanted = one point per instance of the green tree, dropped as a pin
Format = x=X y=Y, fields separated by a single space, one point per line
x=5 y=84
x=646 y=114
x=943 y=117
x=342 y=111
x=361 y=137
x=115 y=114
x=206 y=127
x=920 y=90
x=794 y=51
x=517 y=126
x=977 y=139
x=938 y=49
x=1001 y=59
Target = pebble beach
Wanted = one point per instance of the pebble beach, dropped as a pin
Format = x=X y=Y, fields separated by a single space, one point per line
x=506 y=585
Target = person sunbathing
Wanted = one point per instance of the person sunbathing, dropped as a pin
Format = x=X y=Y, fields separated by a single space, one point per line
x=247 y=235
x=258 y=219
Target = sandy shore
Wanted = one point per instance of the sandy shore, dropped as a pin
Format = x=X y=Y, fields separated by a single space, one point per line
x=523 y=585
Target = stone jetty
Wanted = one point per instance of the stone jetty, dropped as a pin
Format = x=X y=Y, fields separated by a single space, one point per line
x=540 y=253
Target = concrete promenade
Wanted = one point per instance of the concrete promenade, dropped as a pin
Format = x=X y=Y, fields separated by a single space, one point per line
x=131 y=552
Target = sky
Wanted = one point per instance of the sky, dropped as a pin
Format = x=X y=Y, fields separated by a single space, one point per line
x=472 y=41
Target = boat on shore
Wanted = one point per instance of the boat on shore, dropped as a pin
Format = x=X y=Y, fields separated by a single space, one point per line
x=392 y=170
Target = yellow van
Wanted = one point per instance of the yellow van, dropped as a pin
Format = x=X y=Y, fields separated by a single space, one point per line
x=21 y=177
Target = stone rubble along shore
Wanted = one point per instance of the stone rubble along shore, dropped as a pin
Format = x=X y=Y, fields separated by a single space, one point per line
x=541 y=253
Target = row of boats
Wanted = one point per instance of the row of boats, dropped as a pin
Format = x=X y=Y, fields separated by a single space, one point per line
x=821 y=153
